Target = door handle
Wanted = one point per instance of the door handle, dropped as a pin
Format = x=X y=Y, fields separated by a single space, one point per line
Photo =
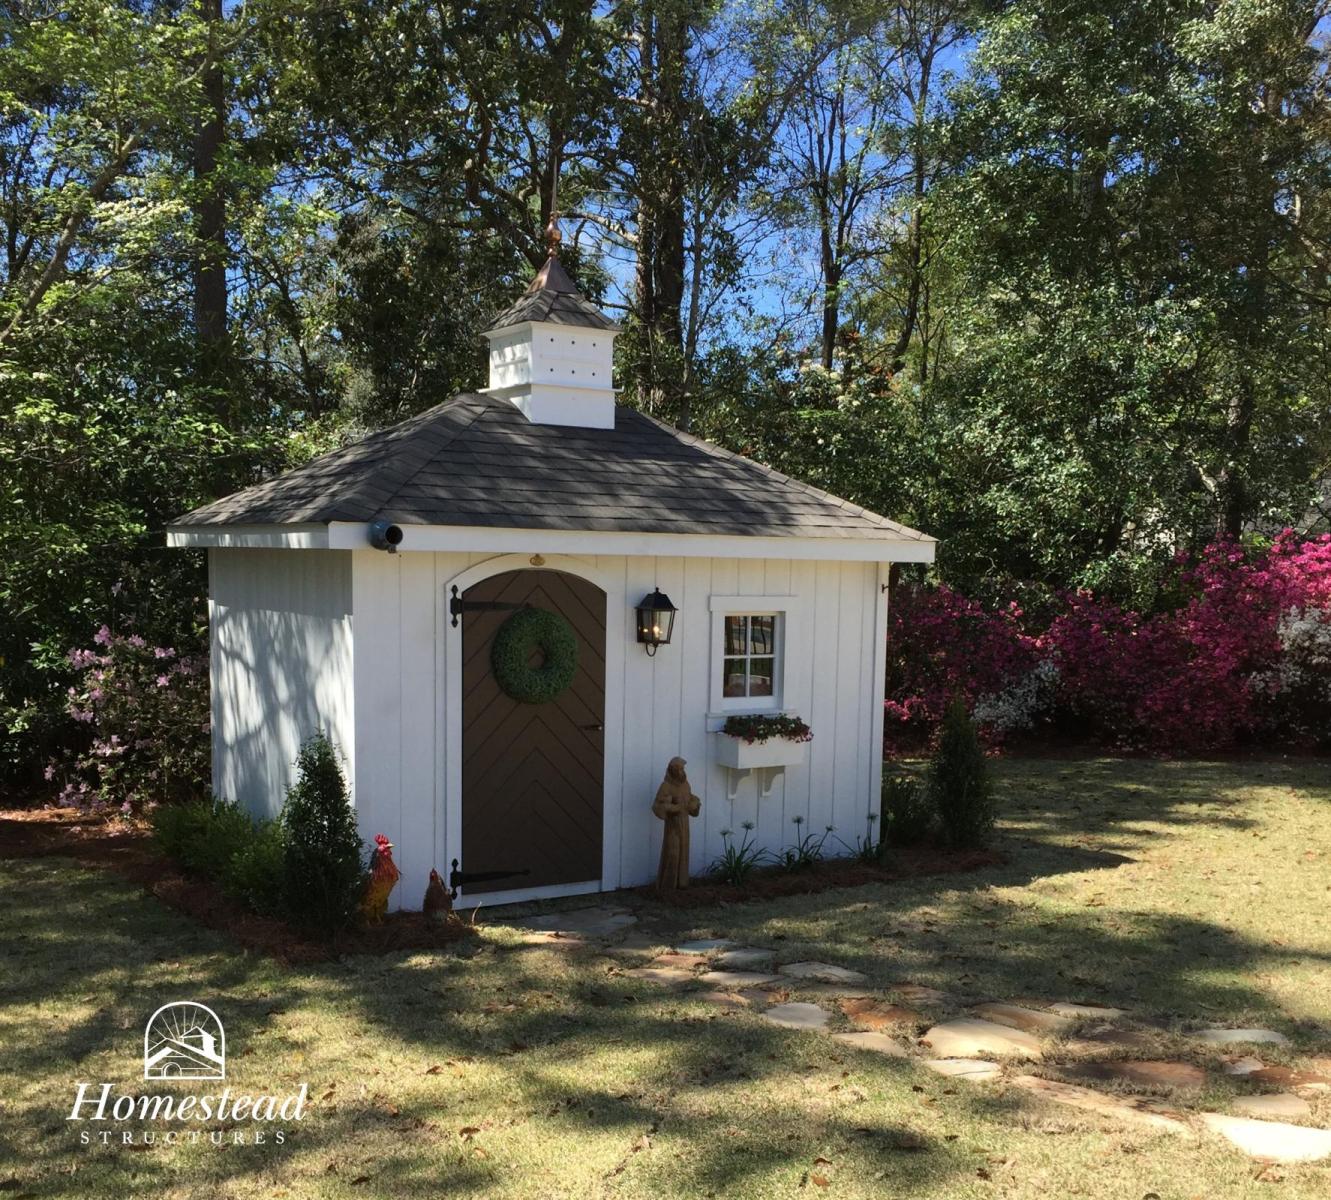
x=598 y=728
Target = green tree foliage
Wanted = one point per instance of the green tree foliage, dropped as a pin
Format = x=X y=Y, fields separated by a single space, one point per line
x=1061 y=302
x=324 y=866
x=106 y=430
x=1138 y=344
x=958 y=783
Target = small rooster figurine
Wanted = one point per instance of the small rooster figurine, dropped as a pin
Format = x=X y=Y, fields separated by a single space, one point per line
x=438 y=905
x=383 y=879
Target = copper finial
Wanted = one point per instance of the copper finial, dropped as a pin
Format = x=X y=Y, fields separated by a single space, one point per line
x=553 y=236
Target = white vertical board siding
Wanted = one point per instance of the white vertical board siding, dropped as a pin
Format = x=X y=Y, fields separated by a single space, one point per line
x=290 y=657
x=694 y=697
x=829 y=680
x=281 y=635
x=647 y=694
x=399 y=607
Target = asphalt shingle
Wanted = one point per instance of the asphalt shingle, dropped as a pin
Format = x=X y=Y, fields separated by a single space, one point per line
x=477 y=461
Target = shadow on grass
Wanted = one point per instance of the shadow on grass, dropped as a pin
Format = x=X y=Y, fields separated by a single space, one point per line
x=562 y=1066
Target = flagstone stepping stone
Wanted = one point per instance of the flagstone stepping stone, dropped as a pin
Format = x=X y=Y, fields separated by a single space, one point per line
x=1151 y=1074
x=761 y=997
x=822 y=972
x=797 y=1016
x=917 y=993
x=1231 y=1037
x=589 y=922
x=973 y=1069
x=1287 y=1077
x=1244 y=1065
x=1103 y=1012
x=736 y=979
x=1130 y=1039
x=1278 y=1106
x=830 y=991
x=745 y=958
x=1271 y=1140
x=633 y=945
x=703 y=945
x=665 y=976
x=725 y=999
x=880 y=1043
x=674 y=959
x=1029 y=1019
x=867 y=1013
x=1132 y=1109
x=971 y=1038
x=552 y=938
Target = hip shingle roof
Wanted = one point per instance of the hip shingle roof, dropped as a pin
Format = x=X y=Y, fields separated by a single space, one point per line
x=477 y=461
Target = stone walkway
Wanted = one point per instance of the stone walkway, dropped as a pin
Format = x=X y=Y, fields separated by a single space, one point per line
x=1077 y=1048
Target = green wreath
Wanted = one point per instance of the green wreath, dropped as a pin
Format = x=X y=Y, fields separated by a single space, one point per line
x=525 y=632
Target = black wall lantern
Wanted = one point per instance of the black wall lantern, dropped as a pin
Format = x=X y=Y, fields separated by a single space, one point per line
x=656 y=621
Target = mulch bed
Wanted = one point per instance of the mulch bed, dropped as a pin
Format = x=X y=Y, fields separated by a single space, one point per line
x=126 y=849
x=768 y=883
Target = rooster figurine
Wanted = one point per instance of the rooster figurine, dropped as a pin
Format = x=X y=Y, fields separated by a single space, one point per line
x=383 y=879
x=438 y=904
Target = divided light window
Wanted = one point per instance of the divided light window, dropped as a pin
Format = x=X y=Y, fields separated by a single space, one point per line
x=750 y=642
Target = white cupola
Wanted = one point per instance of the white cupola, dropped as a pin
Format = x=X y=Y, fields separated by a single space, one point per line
x=551 y=353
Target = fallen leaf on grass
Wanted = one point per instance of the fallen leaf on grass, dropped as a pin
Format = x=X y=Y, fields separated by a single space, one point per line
x=819 y=1180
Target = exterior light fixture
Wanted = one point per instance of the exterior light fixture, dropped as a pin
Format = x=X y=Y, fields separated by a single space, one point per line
x=656 y=621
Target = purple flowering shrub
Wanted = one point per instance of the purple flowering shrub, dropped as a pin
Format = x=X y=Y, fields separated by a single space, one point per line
x=145 y=712
x=1243 y=655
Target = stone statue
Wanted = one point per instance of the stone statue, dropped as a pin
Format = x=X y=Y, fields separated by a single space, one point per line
x=675 y=804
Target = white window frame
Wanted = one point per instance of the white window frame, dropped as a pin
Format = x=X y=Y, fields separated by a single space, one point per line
x=780 y=607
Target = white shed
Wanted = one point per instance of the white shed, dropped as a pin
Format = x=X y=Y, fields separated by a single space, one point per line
x=363 y=594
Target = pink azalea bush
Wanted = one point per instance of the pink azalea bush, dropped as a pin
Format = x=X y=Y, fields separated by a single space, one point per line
x=1243 y=655
x=145 y=713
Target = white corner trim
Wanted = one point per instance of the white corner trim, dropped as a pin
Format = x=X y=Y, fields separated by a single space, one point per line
x=486 y=540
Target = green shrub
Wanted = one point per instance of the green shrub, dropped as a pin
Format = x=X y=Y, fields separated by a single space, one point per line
x=908 y=816
x=737 y=861
x=202 y=837
x=324 y=866
x=959 y=786
x=256 y=874
x=807 y=852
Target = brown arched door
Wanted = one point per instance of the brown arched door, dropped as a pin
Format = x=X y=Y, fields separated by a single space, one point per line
x=533 y=775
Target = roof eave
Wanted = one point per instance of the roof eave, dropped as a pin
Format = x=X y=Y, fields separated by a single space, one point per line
x=303 y=536
x=505 y=330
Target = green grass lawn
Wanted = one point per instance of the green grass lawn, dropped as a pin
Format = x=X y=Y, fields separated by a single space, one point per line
x=1188 y=893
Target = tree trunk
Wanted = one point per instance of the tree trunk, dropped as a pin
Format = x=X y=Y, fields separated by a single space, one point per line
x=660 y=275
x=210 y=206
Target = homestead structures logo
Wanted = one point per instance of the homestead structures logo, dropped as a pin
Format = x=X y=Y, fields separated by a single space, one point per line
x=184 y=1040
x=183 y=1044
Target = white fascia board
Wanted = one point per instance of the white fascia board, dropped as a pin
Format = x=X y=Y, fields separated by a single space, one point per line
x=484 y=540
x=251 y=537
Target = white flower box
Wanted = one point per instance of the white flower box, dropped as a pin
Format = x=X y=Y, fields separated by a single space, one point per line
x=739 y=755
